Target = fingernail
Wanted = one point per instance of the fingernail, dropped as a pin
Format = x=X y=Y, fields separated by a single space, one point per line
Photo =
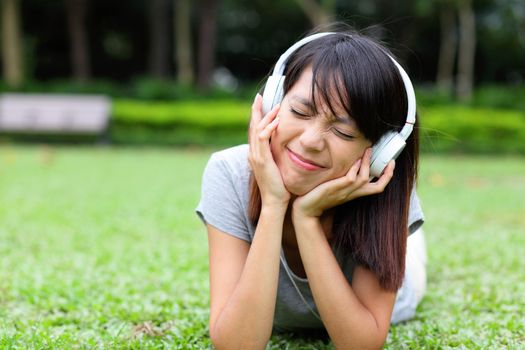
x=358 y=162
x=256 y=97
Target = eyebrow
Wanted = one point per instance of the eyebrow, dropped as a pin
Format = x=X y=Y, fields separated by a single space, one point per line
x=308 y=104
x=303 y=101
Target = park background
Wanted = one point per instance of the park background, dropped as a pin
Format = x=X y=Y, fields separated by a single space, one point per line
x=99 y=245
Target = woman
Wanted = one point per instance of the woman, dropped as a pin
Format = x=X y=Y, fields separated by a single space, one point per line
x=303 y=234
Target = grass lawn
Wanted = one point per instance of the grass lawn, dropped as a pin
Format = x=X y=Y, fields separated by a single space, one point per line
x=100 y=248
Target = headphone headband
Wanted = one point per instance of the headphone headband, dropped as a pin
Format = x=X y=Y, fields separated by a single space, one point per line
x=281 y=63
x=389 y=146
x=409 y=89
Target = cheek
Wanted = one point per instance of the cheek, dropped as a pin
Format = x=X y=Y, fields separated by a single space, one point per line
x=288 y=124
x=346 y=160
x=341 y=170
x=274 y=142
x=279 y=138
x=276 y=149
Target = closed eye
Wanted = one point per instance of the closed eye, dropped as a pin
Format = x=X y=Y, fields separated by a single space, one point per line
x=298 y=113
x=343 y=135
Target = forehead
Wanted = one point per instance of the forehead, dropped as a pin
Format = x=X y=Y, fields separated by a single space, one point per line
x=330 y=101
x=304 y=83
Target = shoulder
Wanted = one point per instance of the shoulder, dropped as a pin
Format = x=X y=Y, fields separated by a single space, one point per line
x=229 y=164
x=416 y=218
x=228 y=170
x=233 y=159
x=225 y=191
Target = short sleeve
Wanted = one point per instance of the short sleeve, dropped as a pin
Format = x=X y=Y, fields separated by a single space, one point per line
x=416 y=217
x=221 y=203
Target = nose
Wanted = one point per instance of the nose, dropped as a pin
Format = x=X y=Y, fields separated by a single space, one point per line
x=312 y=137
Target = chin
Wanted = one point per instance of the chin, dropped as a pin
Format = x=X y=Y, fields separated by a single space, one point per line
x=298 y=190
x=297 y=193
x=299 y=184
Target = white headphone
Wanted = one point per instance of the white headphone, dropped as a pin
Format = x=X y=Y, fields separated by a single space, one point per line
x=389 y=145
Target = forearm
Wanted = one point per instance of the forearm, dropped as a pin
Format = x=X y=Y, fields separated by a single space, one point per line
x=246 y=320
x=348 y=322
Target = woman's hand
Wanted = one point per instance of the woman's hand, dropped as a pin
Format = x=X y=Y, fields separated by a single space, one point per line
x=356 y=183
x=266 y=172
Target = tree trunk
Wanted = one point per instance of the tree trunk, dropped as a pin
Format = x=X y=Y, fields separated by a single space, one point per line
x=207 y=37
x=447 y=50
x=79 y=43
x=183 y=51
x=467 y=47
x=319 y=13
x=159 y=38
x=12 y=43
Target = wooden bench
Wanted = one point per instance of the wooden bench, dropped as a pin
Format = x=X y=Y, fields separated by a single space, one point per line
x=54 y=114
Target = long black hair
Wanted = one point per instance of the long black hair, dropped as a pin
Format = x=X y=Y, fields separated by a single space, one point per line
x=355 y=72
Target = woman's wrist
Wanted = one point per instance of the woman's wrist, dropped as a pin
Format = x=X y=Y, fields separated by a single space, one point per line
x=274 y=206
x=301 y=212
x=279 y=202
x=306 y=227
x=299 y=217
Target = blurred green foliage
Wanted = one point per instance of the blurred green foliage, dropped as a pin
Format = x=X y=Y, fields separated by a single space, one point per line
x=444 y=128
x=488 y=96
x=148 y=89
x=142 y=88
x=165 y=113
x=207 y=113
x=511 y=97
x=206 y=122
x=472 y=130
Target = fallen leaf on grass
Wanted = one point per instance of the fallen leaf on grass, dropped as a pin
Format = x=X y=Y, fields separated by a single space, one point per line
x=46 y=155
x=437 y=180
x=474 y=182
x=147 y=328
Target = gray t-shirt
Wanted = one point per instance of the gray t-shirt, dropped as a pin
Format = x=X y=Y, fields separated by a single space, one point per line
x=224 y=205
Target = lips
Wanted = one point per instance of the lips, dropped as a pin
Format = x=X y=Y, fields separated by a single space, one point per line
x=302 y=162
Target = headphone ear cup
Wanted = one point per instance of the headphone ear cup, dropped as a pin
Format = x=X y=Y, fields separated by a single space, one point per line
x=387 y=148
x=273 y=92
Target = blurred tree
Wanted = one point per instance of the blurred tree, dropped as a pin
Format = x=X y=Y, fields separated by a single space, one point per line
x=207 y=37
x=159 y=11
x=447 y=50
x=12 y=43
x=183 y=41
x=394 y=22
x=76 y=11
x=252 y=35
x=319 y=12
x=450 y=30
x=501 y=29
x=247 y=37
x=467 y=48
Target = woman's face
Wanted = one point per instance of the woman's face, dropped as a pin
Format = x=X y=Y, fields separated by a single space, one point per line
x=308 y=148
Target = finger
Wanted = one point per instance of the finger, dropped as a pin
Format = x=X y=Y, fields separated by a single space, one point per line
x=351 y=175
x=256 y=115
x=378 y=186
x=256 y=109
x=269 y=129
x=343 y=183
x=262 y=145
x=385 y=178
x=364 y=170
x=258 y=122
x=265 y=128
x=268 y=118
